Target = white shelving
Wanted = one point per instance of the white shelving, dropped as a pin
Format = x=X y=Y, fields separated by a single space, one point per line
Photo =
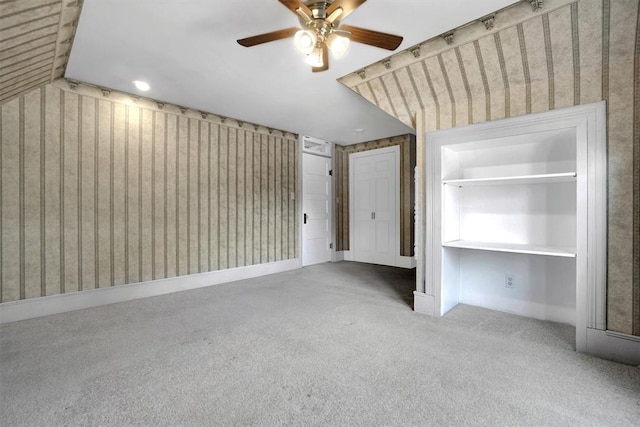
x=504 y=213
x=549 y=178
x=523 y=198
x=508 y=204
x=567 y=252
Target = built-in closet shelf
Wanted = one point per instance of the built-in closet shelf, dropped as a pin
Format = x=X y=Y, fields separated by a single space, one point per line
x=538 y=182
x=557 y=251
x=550 y=178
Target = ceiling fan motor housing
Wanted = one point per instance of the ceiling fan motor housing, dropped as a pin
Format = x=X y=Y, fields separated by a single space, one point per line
x=319 y=22
x=318 y=8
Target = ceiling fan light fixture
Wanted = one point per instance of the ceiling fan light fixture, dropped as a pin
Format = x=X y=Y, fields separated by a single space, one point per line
x=305 y=41
x=322 y=31
x=338 y=45
x=315 y=58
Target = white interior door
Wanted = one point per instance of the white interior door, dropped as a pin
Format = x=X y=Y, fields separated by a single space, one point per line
x=316 y=204
x=375 y=205
x=363 y=209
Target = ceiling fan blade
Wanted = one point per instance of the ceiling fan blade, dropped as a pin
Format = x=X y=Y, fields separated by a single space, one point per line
x=325 y=60
x=373 y=38
x=293 y=5
x=268 y=37
x=347 y=7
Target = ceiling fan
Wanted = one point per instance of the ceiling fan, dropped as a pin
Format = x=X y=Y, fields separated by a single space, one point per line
x=322 y=31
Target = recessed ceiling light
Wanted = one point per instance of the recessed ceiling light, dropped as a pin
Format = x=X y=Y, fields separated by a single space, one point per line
x=359 y=130
x=144 y=86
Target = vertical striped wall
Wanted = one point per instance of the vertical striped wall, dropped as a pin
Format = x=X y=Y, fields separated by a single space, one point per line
x=35 y=42
x=407 y=145
x=98 y=193
x=568 y=53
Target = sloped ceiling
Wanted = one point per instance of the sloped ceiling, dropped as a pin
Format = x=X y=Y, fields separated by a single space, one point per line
x=35 y=42
x=187 y=52
x=565 y=53
x=177 y=47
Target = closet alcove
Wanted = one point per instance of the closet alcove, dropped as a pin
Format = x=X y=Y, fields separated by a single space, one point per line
x=515 y=218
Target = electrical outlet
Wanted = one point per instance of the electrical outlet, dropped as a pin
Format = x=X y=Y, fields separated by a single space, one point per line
x=508 y=281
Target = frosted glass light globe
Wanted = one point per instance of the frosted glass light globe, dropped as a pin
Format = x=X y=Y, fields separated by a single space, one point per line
x=315 y=58
x=305 y=41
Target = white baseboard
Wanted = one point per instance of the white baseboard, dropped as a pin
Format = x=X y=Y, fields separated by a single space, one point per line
x=14 y=311
x=615 y=346
x=401 y=261
x=423 y=303
x=609 y=345
x=406 y=262
x=521 y=307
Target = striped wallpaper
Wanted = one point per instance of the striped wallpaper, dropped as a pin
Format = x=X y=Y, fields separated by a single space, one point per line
x=407 y=145
x=35 y=41
x=569 y=52
x=97 y=192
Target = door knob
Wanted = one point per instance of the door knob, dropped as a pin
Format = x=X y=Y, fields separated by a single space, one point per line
x=305 y=218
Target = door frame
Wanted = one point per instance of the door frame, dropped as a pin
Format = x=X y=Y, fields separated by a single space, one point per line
x=395 y=149
x=330 y=156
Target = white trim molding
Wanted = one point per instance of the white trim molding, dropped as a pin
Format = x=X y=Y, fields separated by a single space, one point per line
x=612 y=345
x=317 y=147
x=14 y=311
x=423 y=303
x=401 y=261
x=406 y=262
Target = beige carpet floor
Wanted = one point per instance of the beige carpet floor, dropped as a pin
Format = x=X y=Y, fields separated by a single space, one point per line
x=333 y=344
